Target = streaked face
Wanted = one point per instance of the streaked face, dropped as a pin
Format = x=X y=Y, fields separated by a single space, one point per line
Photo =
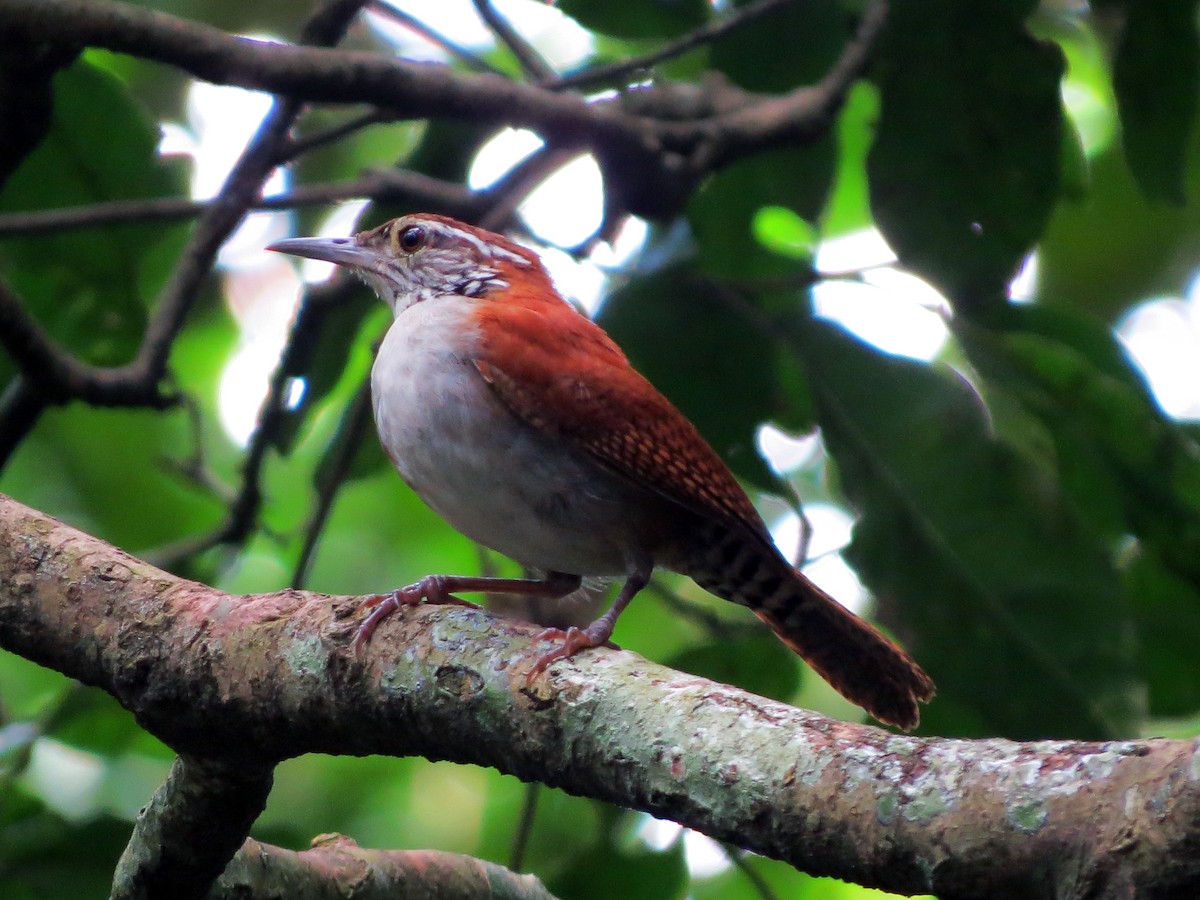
x=419 y=257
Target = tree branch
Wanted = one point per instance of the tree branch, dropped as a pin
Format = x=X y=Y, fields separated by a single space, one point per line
x=531 y=61
x=334 y=860
x=463 y=55
x=652 y=156
x=58 y=376
x=186 y=835
x=252 y=680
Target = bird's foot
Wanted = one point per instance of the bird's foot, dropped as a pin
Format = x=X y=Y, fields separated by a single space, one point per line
x=431 y=589
x=571 y=641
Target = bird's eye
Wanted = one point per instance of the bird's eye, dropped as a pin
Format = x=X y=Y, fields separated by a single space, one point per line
x=411 y=239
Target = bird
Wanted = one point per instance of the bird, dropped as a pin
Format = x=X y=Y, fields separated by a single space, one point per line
x=519 y=421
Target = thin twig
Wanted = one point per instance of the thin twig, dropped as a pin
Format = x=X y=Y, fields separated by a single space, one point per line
x=299 y=146
x=519 y=182
x=193 y=468
x=532 y=64
x=738 y=858
x=382 y=185
x=713 y=625
x=17 y=758
x=465 y=56
x=20 y=409
x=607 y=73
x=350 y=434
x=516 y=857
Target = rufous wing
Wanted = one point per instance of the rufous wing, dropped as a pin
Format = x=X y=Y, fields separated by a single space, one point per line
x=561 y=373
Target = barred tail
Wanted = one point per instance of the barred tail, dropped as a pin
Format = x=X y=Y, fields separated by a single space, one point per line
x=862 y=664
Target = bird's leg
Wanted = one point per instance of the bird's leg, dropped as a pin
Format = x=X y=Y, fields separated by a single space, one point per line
x=594 y=635
x=439 y=589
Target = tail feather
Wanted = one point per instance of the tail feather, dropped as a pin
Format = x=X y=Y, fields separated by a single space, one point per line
x=863 y=665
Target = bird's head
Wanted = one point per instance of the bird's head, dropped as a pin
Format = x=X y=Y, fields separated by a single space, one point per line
x=419 y=257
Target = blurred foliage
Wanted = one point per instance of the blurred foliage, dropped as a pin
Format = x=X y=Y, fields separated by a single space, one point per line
x=1027 y=517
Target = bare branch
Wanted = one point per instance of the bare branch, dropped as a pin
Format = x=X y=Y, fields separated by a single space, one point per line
x=794 y=118
x=531 y=61
x=335 y=861
x=259 y=678
x=186 y=835
x=471 y=60
x=297 y=147
x=314 y=74
x=20 y=409
x=653 y=156
x=57 y=376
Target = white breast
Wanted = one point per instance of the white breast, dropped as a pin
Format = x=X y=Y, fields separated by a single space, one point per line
x=492 y=477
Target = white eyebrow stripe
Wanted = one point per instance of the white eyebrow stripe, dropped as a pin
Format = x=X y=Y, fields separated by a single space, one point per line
x=485 y=249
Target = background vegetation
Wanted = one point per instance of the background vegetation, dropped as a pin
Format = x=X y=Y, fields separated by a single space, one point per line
x=1027 y=517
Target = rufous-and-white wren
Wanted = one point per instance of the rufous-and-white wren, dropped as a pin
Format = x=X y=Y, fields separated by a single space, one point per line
x=520 y=422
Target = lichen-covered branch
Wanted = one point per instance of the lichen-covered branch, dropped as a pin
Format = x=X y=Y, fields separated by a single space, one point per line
x=251 y=680
x=336 y=867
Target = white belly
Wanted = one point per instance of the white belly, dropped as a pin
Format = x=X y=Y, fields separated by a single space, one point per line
x=493 y=478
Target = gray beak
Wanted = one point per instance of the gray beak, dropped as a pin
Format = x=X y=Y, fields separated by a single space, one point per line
x=343 y=251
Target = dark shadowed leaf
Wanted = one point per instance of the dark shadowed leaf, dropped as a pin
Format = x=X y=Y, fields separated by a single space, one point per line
x=1105 y=254
x=1128 y=468
x=965 y=168
x=793 y=44
x=1167 y=611
x=43 y=855
x=90 y=288
x=1021 y=617
x=710 y=350
x=611 y=868
x=1158 y=113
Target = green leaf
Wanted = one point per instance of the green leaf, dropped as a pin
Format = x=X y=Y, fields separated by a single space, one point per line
x=638 y=18
x=1021 y=618
x=722 y=213
x=848 y=207
x=610 y=869
x=88 y=287
x=1156 y=77
x=1129 y=469
x=965 y=169
x=41 y=855
x=709 y=348
x=1167 y=611
x=1072 y=374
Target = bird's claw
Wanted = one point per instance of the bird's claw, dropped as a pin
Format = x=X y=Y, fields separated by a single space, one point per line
x=572 y=641
x=431 y=589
